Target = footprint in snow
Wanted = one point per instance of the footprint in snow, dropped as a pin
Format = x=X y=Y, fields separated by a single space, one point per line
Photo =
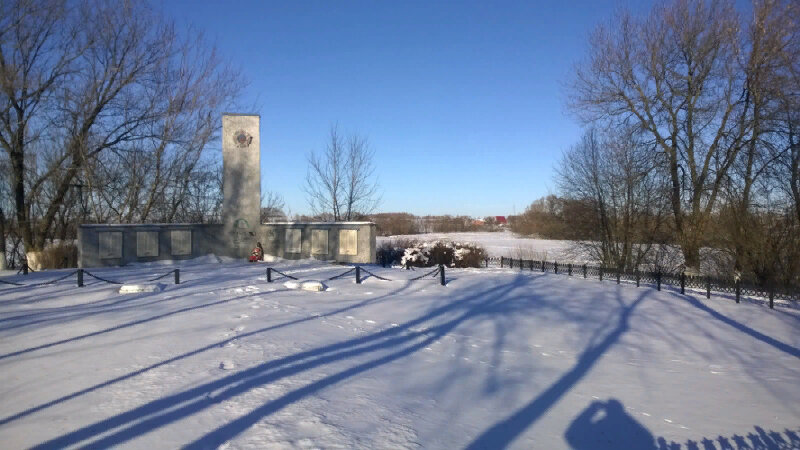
x=227 y=365
x=369 y=321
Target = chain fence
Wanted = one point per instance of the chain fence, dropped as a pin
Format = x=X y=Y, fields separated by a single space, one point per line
x=440 y=271
x=735 y=286
x=80 y=273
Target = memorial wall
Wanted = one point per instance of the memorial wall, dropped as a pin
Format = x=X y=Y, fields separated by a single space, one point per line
x=116 y=245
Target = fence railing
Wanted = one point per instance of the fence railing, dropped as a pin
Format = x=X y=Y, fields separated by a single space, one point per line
x=737 y=287
x=79 y=276
x=438 y=271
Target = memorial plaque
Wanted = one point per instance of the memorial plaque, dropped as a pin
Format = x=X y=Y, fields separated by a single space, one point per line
x=110 y=244
x=319 y=242
x=293 y=241
x=146 y=243
x=181 y=242
x=348 y=242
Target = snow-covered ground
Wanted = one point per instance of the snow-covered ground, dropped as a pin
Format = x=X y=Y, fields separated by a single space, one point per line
x=496 y=358
x=502 y=243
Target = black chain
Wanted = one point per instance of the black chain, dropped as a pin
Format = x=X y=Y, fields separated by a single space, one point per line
x=342 y=274
x=376 y=276
x=433 y=272
x=163 y=276
x=99 y=278
x=43 y=283
x=283 y=274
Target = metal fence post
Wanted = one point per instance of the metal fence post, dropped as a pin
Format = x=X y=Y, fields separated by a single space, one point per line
x=521 y=264
x=501 y=262
x=637 y=277
x=531 y=265
x=177 y=276
x=358 y=274
x=555 y=267
x=601 y=273
x=618 y=276
x=80 y=277
x=269 y=274
x=738 y=290
x=658 y=281
x=569 y=269
x=441 y=274
x=544 y=265
x=24 y=268
x=683 y=283
x=584 y=271
x=771 y=295
x=708 y=287
x=487 y=262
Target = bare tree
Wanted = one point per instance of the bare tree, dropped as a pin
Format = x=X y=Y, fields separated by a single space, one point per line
x=673 y=75
x=107 y=98
x=615 y=174
x=341 y=180
x=272 y=207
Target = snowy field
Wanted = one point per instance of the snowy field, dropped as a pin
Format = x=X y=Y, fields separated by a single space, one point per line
x=497 y=358
x=502 y=243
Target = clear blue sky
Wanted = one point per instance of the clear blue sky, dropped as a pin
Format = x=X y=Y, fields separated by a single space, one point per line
x=463 y=102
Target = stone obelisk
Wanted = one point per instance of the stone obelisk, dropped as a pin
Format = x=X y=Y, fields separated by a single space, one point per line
x=241 y=182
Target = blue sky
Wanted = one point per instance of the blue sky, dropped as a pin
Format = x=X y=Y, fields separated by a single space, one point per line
x=463 y=102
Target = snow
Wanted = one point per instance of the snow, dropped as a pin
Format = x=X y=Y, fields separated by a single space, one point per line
x=498 y=358
x=314 y=286
x=137 y=288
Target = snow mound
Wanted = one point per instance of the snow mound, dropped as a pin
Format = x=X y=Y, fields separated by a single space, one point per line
x=314 y=286
x=271 y=258
x=136 y=288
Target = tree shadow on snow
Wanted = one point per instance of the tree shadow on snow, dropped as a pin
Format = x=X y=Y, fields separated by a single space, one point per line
x=503 y=433
x=220 y=343
x=365 y=353
x=786 y=348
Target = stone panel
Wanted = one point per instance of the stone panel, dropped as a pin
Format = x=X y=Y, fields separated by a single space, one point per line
x=110 y=244
x=319 y=242
x=181 y=242
x=146 y=243
x=294 y=240
x=348 y=242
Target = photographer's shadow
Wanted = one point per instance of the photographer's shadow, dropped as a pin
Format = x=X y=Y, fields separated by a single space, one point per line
x=606 y=425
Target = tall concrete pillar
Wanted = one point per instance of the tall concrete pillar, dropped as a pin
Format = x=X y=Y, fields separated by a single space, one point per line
x=241 y=184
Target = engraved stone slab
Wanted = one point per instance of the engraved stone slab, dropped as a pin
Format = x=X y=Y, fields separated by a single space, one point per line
x=110 y=244
x=319 y=242
x=181 y=242
x=348 y=242
x=147 y=243
x=293 y=241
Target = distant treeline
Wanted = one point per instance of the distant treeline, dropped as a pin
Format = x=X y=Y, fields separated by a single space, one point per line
x=391 y=224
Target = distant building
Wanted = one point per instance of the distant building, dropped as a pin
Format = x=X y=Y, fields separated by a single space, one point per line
x=501 y=220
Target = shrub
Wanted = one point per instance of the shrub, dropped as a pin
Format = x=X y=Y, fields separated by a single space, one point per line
x=59 y=256
x=426 y=254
